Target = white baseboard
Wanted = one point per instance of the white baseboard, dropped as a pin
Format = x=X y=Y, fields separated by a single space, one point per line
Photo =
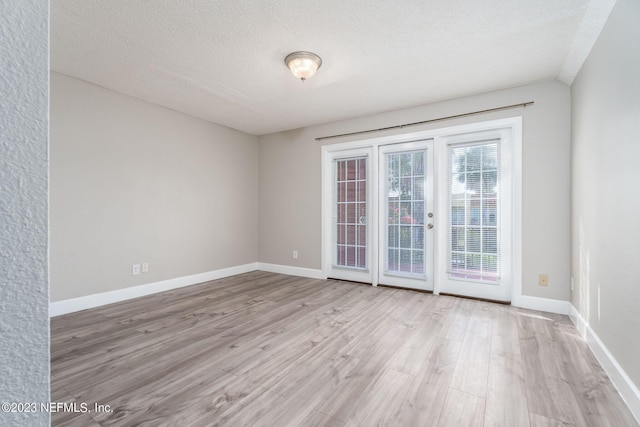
x=523 y=301
x=95 y=300
x=90 y=301
x=627 y=389
x=541 y=304
x=292 y=271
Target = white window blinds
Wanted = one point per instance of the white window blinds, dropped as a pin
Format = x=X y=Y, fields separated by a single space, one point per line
x=405 y=219
x=473 y=205
x=351 y=213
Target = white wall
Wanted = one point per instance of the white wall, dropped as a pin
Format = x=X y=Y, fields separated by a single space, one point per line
x=290 y=176
x=24 y=281
x=133 y=182
x=606 y=187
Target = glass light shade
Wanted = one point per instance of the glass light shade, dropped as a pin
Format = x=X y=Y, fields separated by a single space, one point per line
x=303 y=65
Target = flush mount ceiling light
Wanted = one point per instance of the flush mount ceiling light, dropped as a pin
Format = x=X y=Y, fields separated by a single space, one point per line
x=303 y=65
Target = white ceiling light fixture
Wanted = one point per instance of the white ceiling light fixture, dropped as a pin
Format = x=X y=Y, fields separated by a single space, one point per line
x=302 y=64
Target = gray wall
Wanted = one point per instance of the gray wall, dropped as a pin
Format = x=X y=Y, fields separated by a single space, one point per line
x=290 y=175
x=606 y=189
x=133 y=182
x=24 y=281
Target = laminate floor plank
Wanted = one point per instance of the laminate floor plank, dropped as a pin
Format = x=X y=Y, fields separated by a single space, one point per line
x=148 y=311
x=131 y=359
x=506 y=401
x=542 y=421
x=462 y=409
x=261 y=408
x=265 y=349
x=288 y=341
x=162 y=301
x=505 y=336
x=547 y=393
x=318 y=419
x=458 y=319
x=427 y=392
x=383 y=402
x=472 y=369
x=581 y=371
x=134 y=351
x=358 y=385
x=75 y=416
x=414 y=353
x=186 y=402
x=84 y=420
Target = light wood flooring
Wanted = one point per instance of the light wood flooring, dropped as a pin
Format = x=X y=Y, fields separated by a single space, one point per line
x=264 y=349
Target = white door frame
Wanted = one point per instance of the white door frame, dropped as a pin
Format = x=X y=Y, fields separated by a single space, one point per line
x=514 y=124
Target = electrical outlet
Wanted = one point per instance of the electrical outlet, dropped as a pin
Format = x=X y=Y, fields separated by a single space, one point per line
x=135 y=269
x=573 y=284
x=543 y=280
x=295 y=254
x=145 y=267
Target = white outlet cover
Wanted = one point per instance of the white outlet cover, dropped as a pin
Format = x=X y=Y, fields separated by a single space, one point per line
x=135 y=269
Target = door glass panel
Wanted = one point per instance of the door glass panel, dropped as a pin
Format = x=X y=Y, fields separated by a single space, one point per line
x=473 y=212
x=404 y=199
x=351 y=209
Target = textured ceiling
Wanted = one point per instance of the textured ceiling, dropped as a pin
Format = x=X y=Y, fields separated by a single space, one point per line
x=223 y=60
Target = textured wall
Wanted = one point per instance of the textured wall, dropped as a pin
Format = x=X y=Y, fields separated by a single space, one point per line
x=605 y=190
x=290 y=175
x=24 y=320
x=132 y=182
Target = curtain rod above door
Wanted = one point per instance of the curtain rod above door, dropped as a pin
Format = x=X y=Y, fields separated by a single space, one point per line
x=506 y=107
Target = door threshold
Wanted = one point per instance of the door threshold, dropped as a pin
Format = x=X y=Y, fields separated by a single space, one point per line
x=355 y=282
x=424 y=291
x=476 y=298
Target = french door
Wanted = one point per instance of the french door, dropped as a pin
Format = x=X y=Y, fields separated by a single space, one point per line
x=352 y=212
x=477 y=215
x=405 y=226
x=431 y=214
x=384 y=236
